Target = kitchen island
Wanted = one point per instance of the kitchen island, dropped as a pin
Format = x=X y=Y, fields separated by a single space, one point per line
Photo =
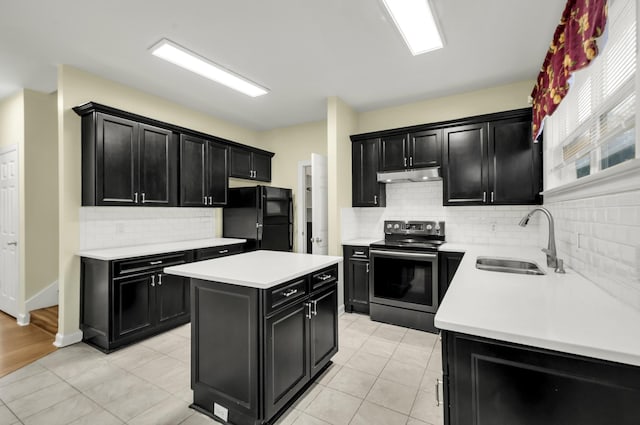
x=264 y=324
x=525 y=349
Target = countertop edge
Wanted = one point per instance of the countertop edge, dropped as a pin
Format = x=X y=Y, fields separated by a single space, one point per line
x=153 y=249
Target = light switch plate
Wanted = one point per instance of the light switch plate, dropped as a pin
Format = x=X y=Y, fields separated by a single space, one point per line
x=221 y=412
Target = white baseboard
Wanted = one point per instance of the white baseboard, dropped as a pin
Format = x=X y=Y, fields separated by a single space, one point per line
x=47 y=297
x=340 y=309
x=23 y=319
x=62 y=340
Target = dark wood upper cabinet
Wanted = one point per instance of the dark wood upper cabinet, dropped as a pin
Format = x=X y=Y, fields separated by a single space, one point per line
x=367 y=192
x=132 y=160
x=515 y=163
x=411 y=150
x=157 y=165
x=203 y=172
x=492 y=163
x=466 y=174
x=249 y=164
x=425 y=148
x=393 y=153
x=127 y=163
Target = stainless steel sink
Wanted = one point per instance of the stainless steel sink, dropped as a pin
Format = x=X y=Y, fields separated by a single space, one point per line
x=508 y=265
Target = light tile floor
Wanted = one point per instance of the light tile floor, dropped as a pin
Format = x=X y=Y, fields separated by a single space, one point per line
x=382 y=375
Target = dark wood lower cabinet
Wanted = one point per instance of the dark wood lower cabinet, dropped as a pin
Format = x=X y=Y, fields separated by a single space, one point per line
x=448 y=263
x=356 y=279
x=499 y=383
x=254 y=350
x=124 y=301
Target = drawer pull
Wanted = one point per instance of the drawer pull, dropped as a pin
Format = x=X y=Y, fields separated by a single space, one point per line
x=358 y=253
x=324 y=277
x=290 y=292
x=155 y=263
x=224 y=251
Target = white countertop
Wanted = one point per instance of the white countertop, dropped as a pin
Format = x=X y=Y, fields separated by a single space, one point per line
x=566 y=313
x=361 y=241
x=156 y=248
x=256 y=269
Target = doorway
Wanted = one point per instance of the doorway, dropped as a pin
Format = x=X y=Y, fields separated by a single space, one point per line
x=9 y=221
x=311 y=206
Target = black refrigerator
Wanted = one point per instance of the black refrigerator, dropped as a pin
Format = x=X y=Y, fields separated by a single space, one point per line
x=262 y=215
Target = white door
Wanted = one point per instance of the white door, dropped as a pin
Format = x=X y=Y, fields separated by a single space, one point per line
x=9 y=232
x=319 y=203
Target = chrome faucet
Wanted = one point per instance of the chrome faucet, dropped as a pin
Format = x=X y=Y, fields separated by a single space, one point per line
x=552 y=254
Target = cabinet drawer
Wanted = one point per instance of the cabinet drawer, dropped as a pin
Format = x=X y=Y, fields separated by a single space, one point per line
x=144 y=264
x=324 y=277
x=218 y=251
x=286 y=294
x=357 y=252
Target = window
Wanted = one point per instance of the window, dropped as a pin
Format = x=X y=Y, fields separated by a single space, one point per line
x=594 y=127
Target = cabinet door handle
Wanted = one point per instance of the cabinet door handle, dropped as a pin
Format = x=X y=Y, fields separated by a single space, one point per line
x=375 y=199
x=143 y=197
x=308 y=313
x=410 y=161
x=153 y=263
x=438 y=402
x=135 y=197
x=492 y=196
x=484 y=196
x=315 y=307
x=153 y=280
x=210 y=200
x=159 y=279
x=405 y=162
x=367 y=267
x=205 y=200
x=224 y=251
x=290 y=292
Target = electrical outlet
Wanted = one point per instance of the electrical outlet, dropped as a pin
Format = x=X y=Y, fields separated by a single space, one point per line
x=493 y=227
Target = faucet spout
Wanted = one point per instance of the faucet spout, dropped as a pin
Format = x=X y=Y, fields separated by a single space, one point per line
x=552 y=254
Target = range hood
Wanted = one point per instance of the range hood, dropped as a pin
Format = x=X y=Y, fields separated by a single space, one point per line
x=415 y=175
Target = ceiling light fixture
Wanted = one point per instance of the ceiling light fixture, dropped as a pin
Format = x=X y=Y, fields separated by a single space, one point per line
x=178 y=55
x=416 y=23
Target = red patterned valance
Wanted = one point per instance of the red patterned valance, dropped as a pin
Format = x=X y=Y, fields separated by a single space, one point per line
x=573 y=47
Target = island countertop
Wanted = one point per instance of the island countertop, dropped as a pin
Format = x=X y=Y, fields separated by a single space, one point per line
x=256 y=269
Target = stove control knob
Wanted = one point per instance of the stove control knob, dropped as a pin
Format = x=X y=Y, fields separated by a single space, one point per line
x=396 y=226
x=429 y=227
x=389 y=225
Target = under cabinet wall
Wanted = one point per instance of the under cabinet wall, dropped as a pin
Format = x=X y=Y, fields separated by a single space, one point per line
x=106 y=227
x=464 y=224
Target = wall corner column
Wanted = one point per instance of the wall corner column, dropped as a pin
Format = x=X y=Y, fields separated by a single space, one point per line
x=342 y=121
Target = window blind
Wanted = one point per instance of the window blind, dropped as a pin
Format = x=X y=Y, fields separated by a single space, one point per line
x=595 y=120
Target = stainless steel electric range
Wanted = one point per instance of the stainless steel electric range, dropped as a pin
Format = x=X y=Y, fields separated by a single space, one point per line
x=403 y=287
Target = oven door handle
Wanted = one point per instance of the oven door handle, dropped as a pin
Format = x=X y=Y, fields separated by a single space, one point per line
x=403 y=254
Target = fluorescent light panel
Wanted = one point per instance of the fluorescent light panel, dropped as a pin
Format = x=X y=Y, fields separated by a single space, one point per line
x=416 y=23
x=178 y=55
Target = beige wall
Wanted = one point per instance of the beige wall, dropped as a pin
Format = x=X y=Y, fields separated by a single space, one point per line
x=292 y=145
x=342 y=122
x=494 y=99
x=41 y=191
x=76 y=87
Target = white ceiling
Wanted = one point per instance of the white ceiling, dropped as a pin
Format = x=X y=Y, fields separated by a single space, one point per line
x=302 y=50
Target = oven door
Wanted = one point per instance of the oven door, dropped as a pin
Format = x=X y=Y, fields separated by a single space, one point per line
x=404 y=279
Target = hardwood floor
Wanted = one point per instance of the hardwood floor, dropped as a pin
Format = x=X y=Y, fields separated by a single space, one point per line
x=46 y=319
x=21 y=345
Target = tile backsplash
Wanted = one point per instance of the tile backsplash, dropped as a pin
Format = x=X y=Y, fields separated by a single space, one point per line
x=423 y=201
x=106 y=227
x=600 y=238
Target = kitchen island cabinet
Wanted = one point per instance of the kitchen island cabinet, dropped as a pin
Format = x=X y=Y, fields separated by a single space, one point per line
x=264 y=325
